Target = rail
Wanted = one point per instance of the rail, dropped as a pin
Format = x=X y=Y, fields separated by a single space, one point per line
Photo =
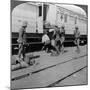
x=33 y=72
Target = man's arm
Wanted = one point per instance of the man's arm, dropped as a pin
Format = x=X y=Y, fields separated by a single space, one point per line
x=79 y=33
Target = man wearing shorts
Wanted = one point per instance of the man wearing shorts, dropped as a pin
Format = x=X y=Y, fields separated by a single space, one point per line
x=21 y=40
x=62 y=39
x=77 y=38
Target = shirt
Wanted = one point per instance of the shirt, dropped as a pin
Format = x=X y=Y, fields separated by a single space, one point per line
x=76 y=34
x=56 y=35
x=21 y=38
x=45 y=38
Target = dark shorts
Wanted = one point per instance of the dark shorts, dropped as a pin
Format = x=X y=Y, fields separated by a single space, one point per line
x=58 y=43
x=77 y=41
x=62 y=39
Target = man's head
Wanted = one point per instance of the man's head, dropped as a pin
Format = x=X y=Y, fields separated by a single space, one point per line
x=76 y=27
x=45 y=31
x=62 y=27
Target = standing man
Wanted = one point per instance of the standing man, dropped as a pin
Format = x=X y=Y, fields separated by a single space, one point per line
x=62 y=39
x=21 y=40
x=77 y=38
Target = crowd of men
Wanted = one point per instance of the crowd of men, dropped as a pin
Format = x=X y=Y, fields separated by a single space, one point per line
x=53 y=44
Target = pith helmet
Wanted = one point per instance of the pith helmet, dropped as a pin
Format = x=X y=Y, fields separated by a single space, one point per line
x=63 y=26
x=76 y=27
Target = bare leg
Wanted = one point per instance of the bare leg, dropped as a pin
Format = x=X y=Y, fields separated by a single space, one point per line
x=57 y=47
x=62 y=44
x=78 y=48
x=20 y=51
x=62 y=48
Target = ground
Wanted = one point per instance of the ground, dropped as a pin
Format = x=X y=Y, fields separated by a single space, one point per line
x=69 y=68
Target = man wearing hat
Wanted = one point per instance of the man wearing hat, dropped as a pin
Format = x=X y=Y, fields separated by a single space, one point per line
x=77 y=38
x=21 y=40
x=62 y=39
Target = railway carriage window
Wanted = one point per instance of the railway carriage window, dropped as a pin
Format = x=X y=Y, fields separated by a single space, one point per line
x=40 y=10
x=45 y=10
x=75 y=20
x=61 y=17
x=65 y=18
x=19 y=20
x=57 y=12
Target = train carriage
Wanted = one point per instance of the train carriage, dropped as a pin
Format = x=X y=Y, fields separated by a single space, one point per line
x=37 y=14
x=69 y=15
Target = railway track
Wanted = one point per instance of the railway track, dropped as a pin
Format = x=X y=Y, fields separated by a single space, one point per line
x=58 y=81
x=37 y=71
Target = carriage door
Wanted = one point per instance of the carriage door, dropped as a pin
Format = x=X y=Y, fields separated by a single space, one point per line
x=39 y=23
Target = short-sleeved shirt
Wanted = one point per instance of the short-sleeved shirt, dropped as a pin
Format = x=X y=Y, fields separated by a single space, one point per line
x=45 y=38
x=76 y=34
x=62 y=33
x=57 y=35
x=22 y=33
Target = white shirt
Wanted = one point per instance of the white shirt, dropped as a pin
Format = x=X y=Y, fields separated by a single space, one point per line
x=45 y=38
x=50 y=30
